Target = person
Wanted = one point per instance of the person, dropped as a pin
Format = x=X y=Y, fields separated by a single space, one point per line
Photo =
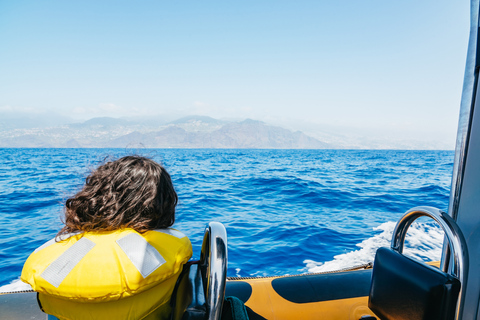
x=116 y=256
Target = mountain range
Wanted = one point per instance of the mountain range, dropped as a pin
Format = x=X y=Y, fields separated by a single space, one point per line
x=187 y=132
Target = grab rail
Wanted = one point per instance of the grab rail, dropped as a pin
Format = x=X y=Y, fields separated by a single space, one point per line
x=455 y=239
x=213 y=259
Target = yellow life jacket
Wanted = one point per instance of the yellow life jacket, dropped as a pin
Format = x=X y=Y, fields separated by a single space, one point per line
x=108 y=275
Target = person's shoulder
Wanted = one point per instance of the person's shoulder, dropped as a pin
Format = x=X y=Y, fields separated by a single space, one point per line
x=168 y=237
x=170 y=241
x=171 y=232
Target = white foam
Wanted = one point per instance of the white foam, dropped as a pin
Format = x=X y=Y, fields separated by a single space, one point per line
x=237 y=271
x=424 y=242
x=15 y=286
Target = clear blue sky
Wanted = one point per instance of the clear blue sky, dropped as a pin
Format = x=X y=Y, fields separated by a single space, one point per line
x=380 y=65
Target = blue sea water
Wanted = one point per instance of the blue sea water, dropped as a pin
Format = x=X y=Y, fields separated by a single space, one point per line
x=286 y=211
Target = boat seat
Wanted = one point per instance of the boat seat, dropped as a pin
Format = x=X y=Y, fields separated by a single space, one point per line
x=406 y=289
x=188 y=298
x=403 y=288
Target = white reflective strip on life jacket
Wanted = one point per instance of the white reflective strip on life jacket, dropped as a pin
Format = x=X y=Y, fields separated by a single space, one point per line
x=59 y=269
x=141 y=253
x=172 y=232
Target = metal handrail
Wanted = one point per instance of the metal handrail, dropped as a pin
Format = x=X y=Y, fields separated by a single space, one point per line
x=456 y=242
x=214 y=257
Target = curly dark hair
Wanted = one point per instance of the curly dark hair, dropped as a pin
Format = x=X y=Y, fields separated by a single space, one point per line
x=131 y=192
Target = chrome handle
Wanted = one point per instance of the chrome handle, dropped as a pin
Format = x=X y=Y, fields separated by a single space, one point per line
x=214 y=257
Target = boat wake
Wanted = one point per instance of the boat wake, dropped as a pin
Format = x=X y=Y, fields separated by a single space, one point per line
x=423 y=242
x=15 y=286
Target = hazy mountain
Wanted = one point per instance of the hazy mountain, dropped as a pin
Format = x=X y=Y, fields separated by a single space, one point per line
x=256 y=134
x=187 y=132
x=192 y=132
x=245 y=134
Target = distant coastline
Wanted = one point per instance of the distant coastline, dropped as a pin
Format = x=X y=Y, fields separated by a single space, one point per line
x=186 y=132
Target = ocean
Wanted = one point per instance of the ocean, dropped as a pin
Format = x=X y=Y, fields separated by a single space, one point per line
x=285 y=211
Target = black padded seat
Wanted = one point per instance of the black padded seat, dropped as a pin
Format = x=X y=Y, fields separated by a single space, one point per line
x=188 y=298
x=405 y=289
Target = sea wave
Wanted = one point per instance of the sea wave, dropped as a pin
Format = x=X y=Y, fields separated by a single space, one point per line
x=285 y=211
x=423 y=242
x=15 y=286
